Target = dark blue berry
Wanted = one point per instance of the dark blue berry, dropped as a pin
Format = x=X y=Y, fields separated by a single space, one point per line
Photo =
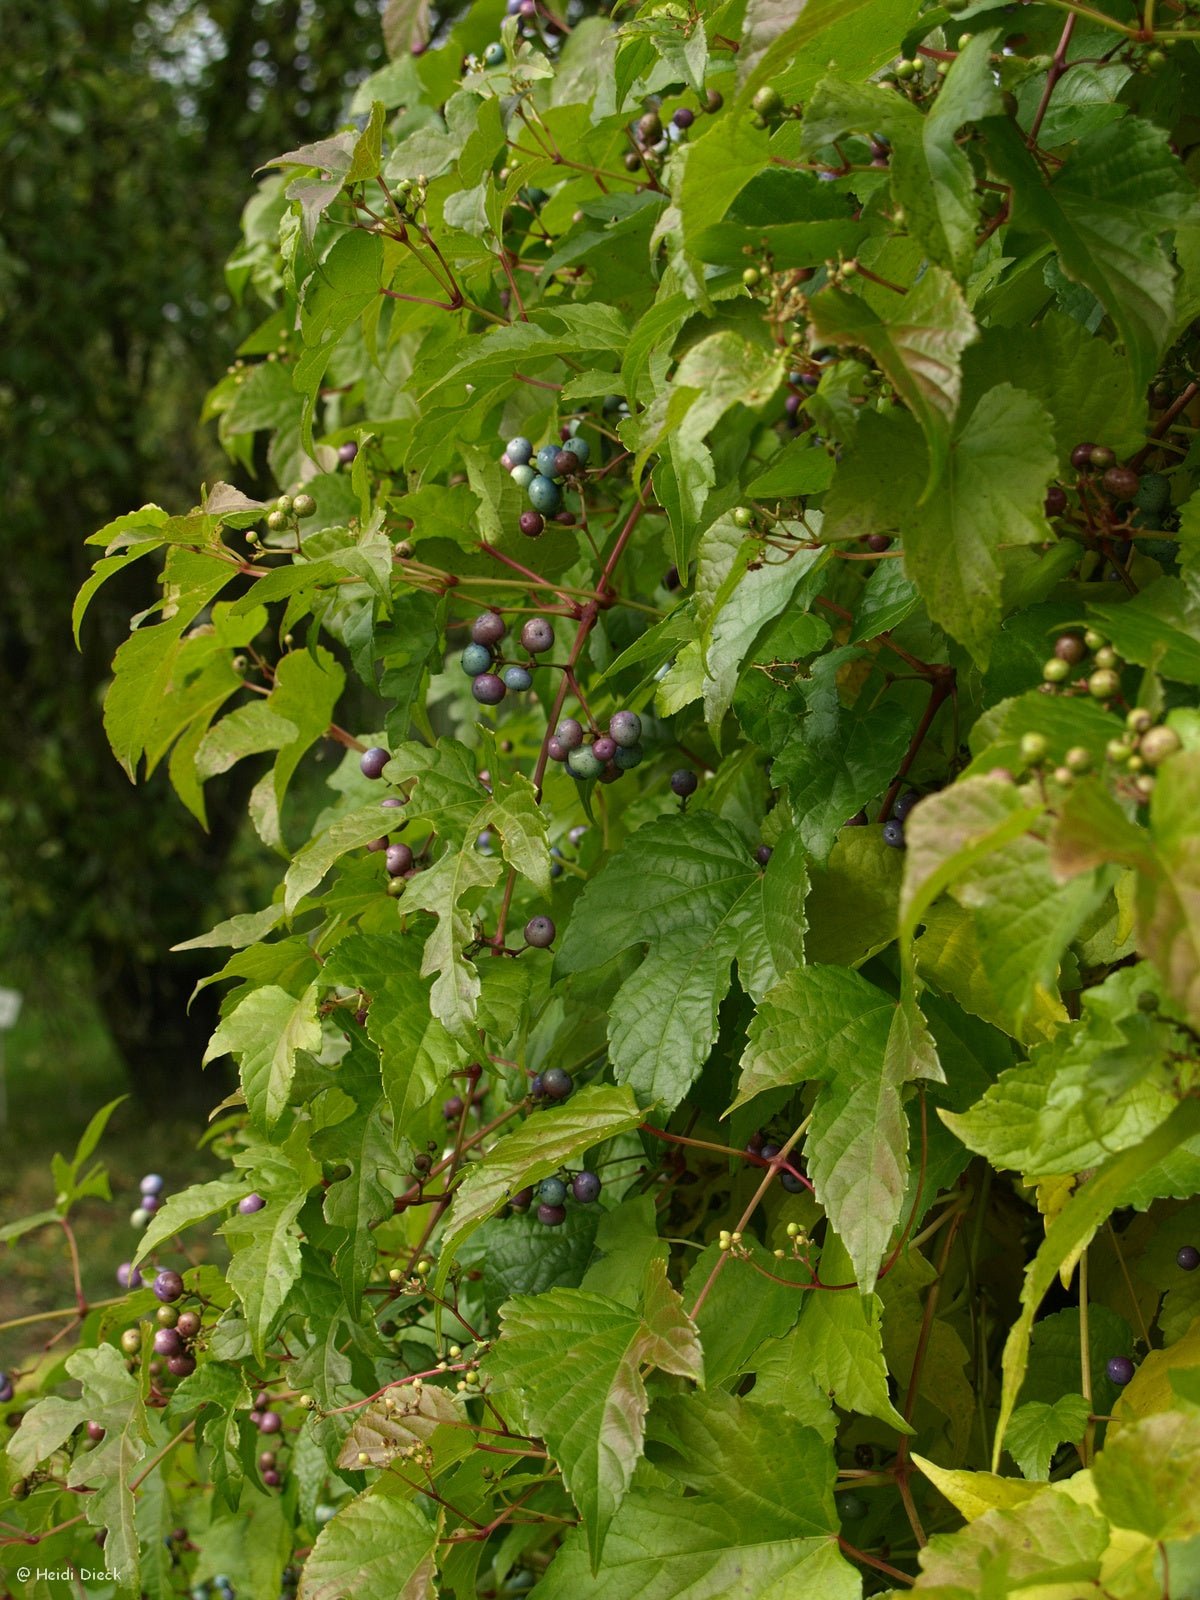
x=476 y=658
x=628 y=757
x=791 y=1182
x=539 y=932
x=769 y=1151
x=893 y=834
x=553 y=1191
x=763 y=854
x=557 y=1083
x=585 y=1186
x=683 y=118
x=519 y=451
x=1187 y=1258
x=373 y=761
x=1120 y=1370
x=547 y=460
x=537 y=636
x=537 y=1087
x=488 y=628
x=488 y=689
x=904 y=804
x=545 y=495
x=684 y=783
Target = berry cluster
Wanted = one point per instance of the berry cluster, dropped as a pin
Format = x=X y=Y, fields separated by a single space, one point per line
x=598 y=755
x=551 y=1195
x=151 y=1199
x=1103 y=682
x=542 y=476
x=481 y=658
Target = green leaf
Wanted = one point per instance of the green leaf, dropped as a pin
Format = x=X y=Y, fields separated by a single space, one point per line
x=265 y=1032
x=536 y=1150
x=1158 y=628
x=1047 y=1542
x=266 y=1261
x=379 y=1547
x=840 y=1332
x=577 y=1360
x=1037 y=1429
x=334 y=299
x=1119 y=188
x=1068 y=1236
x=519 y=820
x=734 y=1319
x=310 y=864
x=917 y=342
x=831 y=1025
x=834 y=764
x=248 y=731
x=184 y=1209
x=1143 y=1479
x=682 y=888
x=440 y=888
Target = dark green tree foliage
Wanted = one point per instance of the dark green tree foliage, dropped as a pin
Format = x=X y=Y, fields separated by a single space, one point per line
x=717 y=1105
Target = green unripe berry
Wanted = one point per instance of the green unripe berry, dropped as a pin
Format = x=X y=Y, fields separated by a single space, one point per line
x=751 y=277
x=1135 y=762
x=1033 y=748
x=1158 y=745
x=304 y=505
x=1064 y=776
x=906 y=70
x=1144 y=784
x=1139 y=720
x=1094 y=640
x=131 y=1341
x=1056 y=671
x=768 y=102
x=1078 y=759
x=1103 y=684
x=1107 y=658
x=1117 y=751
x=277 y=521
x=743 y=517
x=284 y=503
x=166 y=1316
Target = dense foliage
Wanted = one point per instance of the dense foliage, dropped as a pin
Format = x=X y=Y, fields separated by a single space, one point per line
x=718 y=1078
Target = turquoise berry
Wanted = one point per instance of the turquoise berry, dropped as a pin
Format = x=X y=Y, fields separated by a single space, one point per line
x=578 y=447
x=552 y=1191
x=493 y=56
x=546 y=457
x=519 y=451
x=518 y=678
x=523 y=475
x=545 y=495
x=476 y=658
x=584 y=763
x=628 y=757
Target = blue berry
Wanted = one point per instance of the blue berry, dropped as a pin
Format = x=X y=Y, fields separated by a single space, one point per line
x=151 y=1184
x=1120 y=1370
x=6 y=1388
x=557 y=1083
x=518 y=678
x=904 y=804
x=629 y=757
x=791 y=1182
x=625 y=728
x=547 y=456
x=523 y=475
x=585 y=1186
x=537 y=1087
x=476 y=658
x=493 y=56
x=373 y=761
x=893 y=834
x=578 y=448
x=488 y=689
x=544 y=494
x=684 y=783
x=553 y=1191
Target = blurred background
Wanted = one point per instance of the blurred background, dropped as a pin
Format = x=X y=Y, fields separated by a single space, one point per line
x=130 y=131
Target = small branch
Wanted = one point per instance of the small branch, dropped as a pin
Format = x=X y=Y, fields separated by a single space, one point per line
x=1056 y=69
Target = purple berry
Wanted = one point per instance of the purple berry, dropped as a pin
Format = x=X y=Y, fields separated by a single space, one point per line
x=150 y=1203
x=373 y=761
x=684 y=783
x=181 y=1366
x=167 y=1342
x=168 y=1286
x=399 y=860
x=270 y=1422
x=271 y=1478
x=188 y=1325
x=507 y=462
x=684 y=118
x=1120 y=1370
x=453 y=1108
x=488 y=628
x=537 y=1088
x=6 y=1388
x=557 y=1083
x=551 y=1216
x=347 y=452
x=522 y=1200
x=129 y=1277
x=1187 y=1258
x=375 y=845
x=604 y=748
x=537 y=636
x=95 y=1432
x=763 y=854
x=151 y=1184
x=792 y=405
x=266 y=1460
x=539 y=932
x=531 y=524
x=556 y=749
x=585 y=1186
x=569 y=734
x=488 y=689
x=250 y=1203
x=566 y=463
